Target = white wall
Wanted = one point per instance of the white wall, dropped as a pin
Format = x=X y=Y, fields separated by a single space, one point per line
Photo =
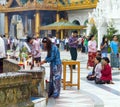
x=1 y=23
x=2 y=18
x=79 y=15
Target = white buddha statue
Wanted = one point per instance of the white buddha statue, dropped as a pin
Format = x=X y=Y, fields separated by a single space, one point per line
x=20 y=29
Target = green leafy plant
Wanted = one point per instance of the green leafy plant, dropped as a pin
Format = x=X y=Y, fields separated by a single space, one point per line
x=94 y=30
x=111 y=31
x=23 y=53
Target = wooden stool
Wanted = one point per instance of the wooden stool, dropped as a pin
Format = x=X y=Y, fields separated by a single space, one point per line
x=69 y=83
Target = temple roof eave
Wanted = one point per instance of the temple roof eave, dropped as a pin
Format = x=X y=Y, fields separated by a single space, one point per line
x=47 y=6
x=61 y=8
x=19 y=9
x=62 y=28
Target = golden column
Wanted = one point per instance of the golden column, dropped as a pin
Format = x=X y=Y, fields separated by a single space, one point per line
x=6 y=25
x=61 y=34
x=37 y=23
x=57 y=17
x=57 y=20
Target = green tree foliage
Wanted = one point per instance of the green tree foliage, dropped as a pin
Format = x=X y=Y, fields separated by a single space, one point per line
x=111 y=31
x=94 y=30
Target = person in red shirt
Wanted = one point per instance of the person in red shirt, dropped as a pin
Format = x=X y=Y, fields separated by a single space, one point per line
x=106 y=75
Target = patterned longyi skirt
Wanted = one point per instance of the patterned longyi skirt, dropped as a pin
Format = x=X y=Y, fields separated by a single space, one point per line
x=91 y=58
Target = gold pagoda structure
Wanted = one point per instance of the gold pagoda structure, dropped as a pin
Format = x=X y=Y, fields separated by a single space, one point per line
x=36 y=9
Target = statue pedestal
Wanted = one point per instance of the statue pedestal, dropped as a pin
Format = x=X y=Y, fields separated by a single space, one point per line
x=15 y=90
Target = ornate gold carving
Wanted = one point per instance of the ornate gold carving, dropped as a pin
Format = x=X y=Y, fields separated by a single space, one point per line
x=2 y=97
x=18 y=94
x=9 y=3
x=77 y=5
x=50 y=1
x=10 y=95
x=28 y=4
x=48 y=5
x=19 y=3
x=15 y=93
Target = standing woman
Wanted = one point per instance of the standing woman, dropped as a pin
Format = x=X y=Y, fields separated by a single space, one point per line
x=114 y=52
x=92 y=49
x=53 y=57
x=104 y=47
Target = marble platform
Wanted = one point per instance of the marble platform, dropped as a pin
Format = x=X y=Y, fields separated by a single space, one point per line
x=90 y=94
x=39 y=102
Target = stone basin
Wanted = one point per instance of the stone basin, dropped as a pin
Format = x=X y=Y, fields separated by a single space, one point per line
x=37 y=86
x=12 y=77
x=38 y=73
x=15 y=90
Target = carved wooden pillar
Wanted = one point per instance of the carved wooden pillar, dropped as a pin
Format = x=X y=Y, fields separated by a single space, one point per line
x=6 y=25
x=37 y=23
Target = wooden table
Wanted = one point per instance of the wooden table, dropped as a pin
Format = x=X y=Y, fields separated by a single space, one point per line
x=69 y=83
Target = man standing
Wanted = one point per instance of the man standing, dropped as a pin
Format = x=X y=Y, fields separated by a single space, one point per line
x=35 y=50
x=73 y=44
x=2 y=53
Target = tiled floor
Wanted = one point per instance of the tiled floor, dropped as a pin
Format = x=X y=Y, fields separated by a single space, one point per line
x=90 y=94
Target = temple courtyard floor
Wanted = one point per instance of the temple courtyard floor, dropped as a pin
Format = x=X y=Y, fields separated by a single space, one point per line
x=90 y=94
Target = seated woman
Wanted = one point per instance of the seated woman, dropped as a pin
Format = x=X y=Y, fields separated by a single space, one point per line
x=96 y=73
x=106 y=75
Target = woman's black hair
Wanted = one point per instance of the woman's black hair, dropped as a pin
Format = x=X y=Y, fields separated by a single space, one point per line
x=75 y=31
x=103 y=40
x=106 y=59
x=98 y=53
x=98 y=58
x=114 y=36
x=91 y=36
x=29 y=38
x=48 y=45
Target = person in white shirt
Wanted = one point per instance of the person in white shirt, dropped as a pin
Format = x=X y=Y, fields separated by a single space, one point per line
x=96 y=73
x=80 y=43
x=2 y=53
x=98 y=67
x=35 y=50
x=57 y=41
x=66 y=44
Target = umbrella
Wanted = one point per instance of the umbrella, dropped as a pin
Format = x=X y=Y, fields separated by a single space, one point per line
x=62 y=25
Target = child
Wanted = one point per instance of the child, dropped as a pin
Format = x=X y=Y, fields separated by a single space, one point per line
x=106 y=75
